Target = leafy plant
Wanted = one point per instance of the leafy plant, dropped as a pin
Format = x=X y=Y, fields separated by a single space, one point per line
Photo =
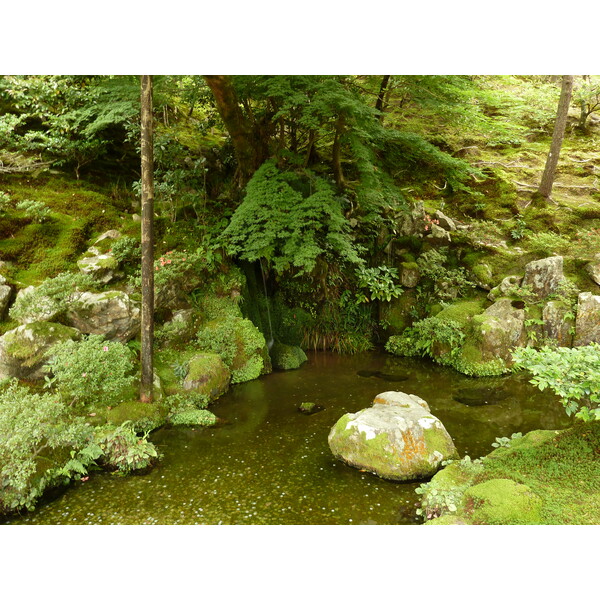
x=290 y=221
x=50 y=299
x=504 y=442
x=126 y=250
x=91 y=371
x=123 y=450
x=439 y=281
x=571 y=373
x=379 y=281
x=425 y=336
x=181 y=369
x=35 y=431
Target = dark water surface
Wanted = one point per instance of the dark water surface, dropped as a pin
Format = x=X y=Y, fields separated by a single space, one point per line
x=268 y=463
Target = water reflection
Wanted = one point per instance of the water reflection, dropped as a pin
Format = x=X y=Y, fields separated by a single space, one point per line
x=268 y=463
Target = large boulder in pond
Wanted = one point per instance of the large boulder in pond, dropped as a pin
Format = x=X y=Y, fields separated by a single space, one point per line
x=23 y=351
x=397 y=438
x=208 y=375
x=113 y=314
x=285 y=357
x=587 y=324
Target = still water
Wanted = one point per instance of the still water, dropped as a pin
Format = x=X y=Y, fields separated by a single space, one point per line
x=268 y=463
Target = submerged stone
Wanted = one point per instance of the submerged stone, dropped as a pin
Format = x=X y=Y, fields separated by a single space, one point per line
x=309 y=408
x=397 y=438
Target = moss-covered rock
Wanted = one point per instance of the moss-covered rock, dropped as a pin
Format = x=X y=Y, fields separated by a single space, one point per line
x=113 y=314
x=208 y=375
x=502 y=502
x=23 y=351
x=142 y=415
x=397 y=438
x=285 y=357
x=240 y=344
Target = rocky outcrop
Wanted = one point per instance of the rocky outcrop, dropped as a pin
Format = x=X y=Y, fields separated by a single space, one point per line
x=409 y=274
x=112 y=314
x=23 y=350
x=543 y=277
x=397 y=438
x=587 y=325
x=30 y=310
x=208 y=375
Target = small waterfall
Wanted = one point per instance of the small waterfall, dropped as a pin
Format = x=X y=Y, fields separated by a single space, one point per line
x=270 y=341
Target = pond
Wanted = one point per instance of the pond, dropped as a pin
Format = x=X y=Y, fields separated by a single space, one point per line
x=268 y=463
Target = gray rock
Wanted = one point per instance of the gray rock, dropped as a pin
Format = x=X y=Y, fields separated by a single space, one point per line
x=5 y=296
x=587 y=325
x=508 y=287
x=409 y=275
x=23 y=350
x=111 y=234
x=556 y=324
x=501 y=329
x=544 y=276
x=397 y=438
x=412 y=223
x=444 y=221
x=44 y=309
x=101 y=266
x=439 y=234
x=593 y=269
x=112 y=314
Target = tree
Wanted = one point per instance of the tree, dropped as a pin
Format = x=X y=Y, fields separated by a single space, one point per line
x=587 y=96
x=147 y=327
x=560 y=124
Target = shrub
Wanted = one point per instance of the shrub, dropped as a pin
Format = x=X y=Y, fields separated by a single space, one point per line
x=379 y=281
x=90 y=371
x=123 y=450
x=425 y=335
x=5 y=203
x=571 y=373
x=33 y=427
x=52 y=297
x=126 y=250
x=290 y=221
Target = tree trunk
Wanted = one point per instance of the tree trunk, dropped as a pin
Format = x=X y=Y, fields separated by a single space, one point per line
x=381 y=97
x=245 y=144
x=560 y=124
x=147 y=326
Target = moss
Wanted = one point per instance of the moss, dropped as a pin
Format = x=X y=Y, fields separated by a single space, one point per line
x=437 y=440
x=190 y=418
x=207 y=374
x=29 y=343
x=285 y=357
x=143 y=416
x=463 y=311
x=503 y=502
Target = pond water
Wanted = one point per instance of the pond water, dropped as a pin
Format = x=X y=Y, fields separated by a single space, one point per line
x=268 y=463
